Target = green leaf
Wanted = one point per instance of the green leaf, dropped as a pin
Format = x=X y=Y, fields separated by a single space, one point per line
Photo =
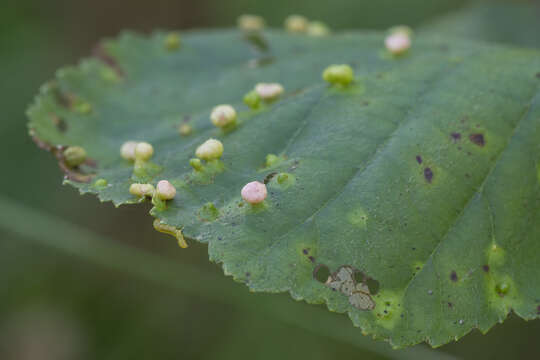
x=505 y=22
x=423 y=174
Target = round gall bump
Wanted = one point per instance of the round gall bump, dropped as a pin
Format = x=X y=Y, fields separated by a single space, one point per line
x=165 y=190
x=317 y=28
x=185 y=129
x=252 y=99
x=338 y=74
x=269 y=91
x=127 y=151
x=211 y=149
x=397 y=43
x=250 y=22
x=142 y=190
x=74 y=156
x=223 y=116
x=143 y=151
x=172 y=41
x=254 y=192
x=296 y=24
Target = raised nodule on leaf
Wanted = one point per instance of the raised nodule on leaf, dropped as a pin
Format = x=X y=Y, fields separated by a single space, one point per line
x=396 y=177
x=338 y=74
x=211 y=149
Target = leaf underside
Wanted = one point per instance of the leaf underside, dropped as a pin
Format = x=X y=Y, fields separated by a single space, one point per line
x=423 y=174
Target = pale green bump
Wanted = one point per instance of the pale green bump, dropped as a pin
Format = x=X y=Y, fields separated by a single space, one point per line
x=296 y=24
x=403 y=29
x=208 y=212
x=252 y=99
x=272 y=160
x=502 y=288
x=248 y=22
x=338 y=75
x=185 y=129
x=196 y=164
x=284 y=181
x=74 y=156
x=496 y=255
x=82 y=107
x=388 y=308
x=317 y=29
x=172 y=41
x=100 y=183
x=108 y=74
x=358 y=217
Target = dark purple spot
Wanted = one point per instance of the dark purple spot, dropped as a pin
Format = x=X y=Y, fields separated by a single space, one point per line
x=477 y=139
x=305 y=251
x=248 y=274
x=428 y=175
x=538 y=309
x=453 y=276
x=418 y=268
x=456 y=136
x=311 y=258
x=485 y=268
x=418 y=159
x=450 y=304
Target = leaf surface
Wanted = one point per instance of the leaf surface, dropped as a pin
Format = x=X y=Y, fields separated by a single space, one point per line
x=422 y=176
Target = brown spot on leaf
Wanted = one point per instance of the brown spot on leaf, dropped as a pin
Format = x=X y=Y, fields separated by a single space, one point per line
x=418 y=159
x=73 y=174
x=477 y=139
x=453 y=276
x=485 y=268
x=538 y=309
x=450 y=305
x=305 y=251
x=455 y=136
x=59 y=123
x=538 y=75
x=100 y=53
x=311 y=258
x=428 y=175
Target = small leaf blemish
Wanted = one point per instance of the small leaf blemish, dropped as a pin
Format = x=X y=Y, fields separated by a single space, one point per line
x=453 y=276
x=419 y=159
x=477 y=139
x=428 y=175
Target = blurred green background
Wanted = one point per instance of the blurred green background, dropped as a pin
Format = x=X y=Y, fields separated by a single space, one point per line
x=83 y=280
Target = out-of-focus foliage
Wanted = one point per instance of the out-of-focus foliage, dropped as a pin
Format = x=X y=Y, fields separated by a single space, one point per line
x=516 y=23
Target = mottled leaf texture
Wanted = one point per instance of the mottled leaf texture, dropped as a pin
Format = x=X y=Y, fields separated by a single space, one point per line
x=421 y=178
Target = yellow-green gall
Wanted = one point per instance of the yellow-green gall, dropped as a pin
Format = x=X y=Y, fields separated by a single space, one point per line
x=101 y=183
x=317 y=28
x=296 y=24
x=502 y=288
x=252 y=99
x=82 y=107
x=172 y=41
x=165 y=190
x=171 y=230
x=250 y=22
x=269 y=91
x=272 y=160
x=404 y=29
x=223 y=116
x=211 y=149
x=127 y=151
x=74 y=156
x=196 y=164
x=338 y=74
x=141 y=190
x=143 y=151
x=185 y=129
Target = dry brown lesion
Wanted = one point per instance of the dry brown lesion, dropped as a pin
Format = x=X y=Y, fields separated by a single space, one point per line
x=71 y=173
x=343 y=280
